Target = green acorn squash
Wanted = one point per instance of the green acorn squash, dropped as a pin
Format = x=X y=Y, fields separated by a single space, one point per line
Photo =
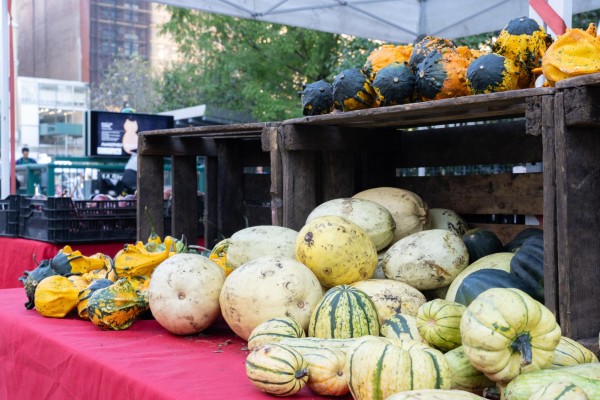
x=317 y=98
x=516 y=242
x=442 y=75
x=394 y=84
x=528 y=266
x=481 y=242
x=492 y=73
x=352 y=90
x=484 y=279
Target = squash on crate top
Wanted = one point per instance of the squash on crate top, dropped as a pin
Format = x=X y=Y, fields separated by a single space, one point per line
x=438 y=322
x=384 y=56
x=424 y=47
x=317 y=98
x=352 y=90
x=442 y=75
x=505 y=333
x=492 y=73
x=394 y=84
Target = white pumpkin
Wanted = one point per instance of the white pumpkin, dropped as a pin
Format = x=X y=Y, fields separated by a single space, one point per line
x=184 y=293
x=268 y=287
x=262 y=240
x=426 y=260
x=442 y=218
x=373 y=218
x=410 y=212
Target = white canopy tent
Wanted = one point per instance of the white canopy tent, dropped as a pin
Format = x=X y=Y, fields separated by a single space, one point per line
x=387 y=20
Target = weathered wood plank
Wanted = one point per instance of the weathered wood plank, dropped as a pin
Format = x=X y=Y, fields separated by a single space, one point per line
x=257 y=188
x=333 y=138
x=223 y=131
x=211 y=202
x=231 y=216
x=578 y=225
x=276 y=174
x=252 y=153
x=533 y=115
x=582 y=106
x=480 y=194
x=258 y=215
x=150 y=180
x=338 y=175
x=176 y=146
x=184 y=220
x=583 y=80
x=591 y=343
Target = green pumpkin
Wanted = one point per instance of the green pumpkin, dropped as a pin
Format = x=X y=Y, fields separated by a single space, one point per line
x=442 y=75
x=426 y=46
x=438 y=322
x=394 y=84
x=481 y=242
x=528 y=266
x=317 y=98
x=352 y=90
x=516 y=242
x=484 y=279
x=492 y=73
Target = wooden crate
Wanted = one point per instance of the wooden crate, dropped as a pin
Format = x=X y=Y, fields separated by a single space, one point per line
x=317 y=158
x=236 y=195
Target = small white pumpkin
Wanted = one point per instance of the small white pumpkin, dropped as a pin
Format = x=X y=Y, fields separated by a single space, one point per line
x=443 y=218
x=184 y=293
x=262 y=240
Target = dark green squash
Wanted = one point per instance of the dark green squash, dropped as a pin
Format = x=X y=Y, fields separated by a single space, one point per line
x=426 y=46
x=524 y=41
x=516 y=242
x=480 y=243
x=317 y=98
x=442 y=74
x=492 y=73
x=352 y=90
x=394 y=84
x=484 y=279
x=528 y=266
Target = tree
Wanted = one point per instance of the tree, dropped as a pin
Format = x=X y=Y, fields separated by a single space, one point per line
x=250 y=66
x=127 y=80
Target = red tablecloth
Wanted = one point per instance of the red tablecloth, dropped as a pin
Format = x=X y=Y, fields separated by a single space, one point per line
x=16 y=256
x=44 y=358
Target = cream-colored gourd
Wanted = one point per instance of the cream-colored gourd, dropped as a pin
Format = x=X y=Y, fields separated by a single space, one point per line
x=410 y=212
x=373 y=218
x=262 y=240
x=391 y=297
x=268 y=287
x=443 y=218
x=426 y=260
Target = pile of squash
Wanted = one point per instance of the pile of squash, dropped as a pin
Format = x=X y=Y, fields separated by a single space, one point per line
x=435 y=68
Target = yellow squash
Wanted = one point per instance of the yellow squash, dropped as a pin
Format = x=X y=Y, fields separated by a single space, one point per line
x=56 y=296
x=137 y=260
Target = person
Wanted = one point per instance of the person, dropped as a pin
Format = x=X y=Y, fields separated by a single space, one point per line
x=25 y=159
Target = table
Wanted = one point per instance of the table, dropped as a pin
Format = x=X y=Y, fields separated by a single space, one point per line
x=16 y=256
x=45 y=358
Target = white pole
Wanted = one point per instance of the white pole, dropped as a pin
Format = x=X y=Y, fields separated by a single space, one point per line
x=564 y=8
x=5 y=103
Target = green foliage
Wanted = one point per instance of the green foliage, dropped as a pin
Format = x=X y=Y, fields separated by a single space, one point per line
x=584 y=19
x=127 y=80
x=251 y=66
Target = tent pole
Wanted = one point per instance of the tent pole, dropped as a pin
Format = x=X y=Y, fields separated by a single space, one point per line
x=5 y=100
x=564 y=8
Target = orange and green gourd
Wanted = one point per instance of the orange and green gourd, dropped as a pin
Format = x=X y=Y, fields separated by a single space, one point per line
x=384 y=56
x=394 y=84
x=426 y=46
x=442 y=75
x=492 y=73
x=352 y=91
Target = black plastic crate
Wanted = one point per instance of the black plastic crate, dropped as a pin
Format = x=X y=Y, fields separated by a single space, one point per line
x=9 y=216
x=63 y=220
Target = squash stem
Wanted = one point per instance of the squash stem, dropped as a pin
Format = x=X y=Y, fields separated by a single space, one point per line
x=301 y=373
x=522 y=344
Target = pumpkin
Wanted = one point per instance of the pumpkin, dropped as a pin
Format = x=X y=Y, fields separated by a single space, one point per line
x=410 y=212
x=500 y=261
x=117 y=306
x=326 y=375
x=426 y=260
x=273 y=330
x=184 y=293
x=424 y=47
x=31 y=279
x=352 y=90
x=378 y=369
x=317 y=98
x=484 y=279
x=492 y=73
x=377 y=222
x=517 y=240
x=263 y=240
x=585 y=376
x=524 y=41
x=505 y=332
x=344 y=312
x=559 y=391
x=481 y=242
x=391 y=297
x=401 y=326
x=575 y=53
x=569 y=352
x=384 y=56
x=438 y=322
x=442 y=218
x=55 y=296
x=442 y=75
x=394 y=84
x=528 y=266
x=464 y=375
x=268 y=287
x=84 y=296
x=337 y=250
x=277 y=369
x=435 y=394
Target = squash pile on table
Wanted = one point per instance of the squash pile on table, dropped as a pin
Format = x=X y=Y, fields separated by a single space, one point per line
x=435 y=68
